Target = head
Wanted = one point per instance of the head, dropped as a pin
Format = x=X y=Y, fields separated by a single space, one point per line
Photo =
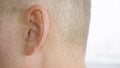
x=43 y=33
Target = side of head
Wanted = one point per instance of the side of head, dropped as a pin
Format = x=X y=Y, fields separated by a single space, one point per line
x=43 y=33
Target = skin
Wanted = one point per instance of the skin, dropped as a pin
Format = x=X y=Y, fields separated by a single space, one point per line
x=29 y=40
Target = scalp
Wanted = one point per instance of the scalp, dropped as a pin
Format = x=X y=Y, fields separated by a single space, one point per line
x=70 y=16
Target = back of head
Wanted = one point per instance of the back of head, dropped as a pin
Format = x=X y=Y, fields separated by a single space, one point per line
x=70 y=16
x=67 y=32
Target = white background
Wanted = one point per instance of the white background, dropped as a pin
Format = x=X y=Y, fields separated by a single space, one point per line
x=104 y=35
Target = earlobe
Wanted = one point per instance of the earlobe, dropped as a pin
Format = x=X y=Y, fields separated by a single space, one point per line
x=38 y=20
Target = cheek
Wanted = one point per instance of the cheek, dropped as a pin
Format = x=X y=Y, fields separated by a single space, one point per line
x=7 y=51
x=10 y=48
x=7 y=40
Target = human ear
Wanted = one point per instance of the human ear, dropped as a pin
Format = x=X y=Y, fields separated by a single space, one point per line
x=38 y=20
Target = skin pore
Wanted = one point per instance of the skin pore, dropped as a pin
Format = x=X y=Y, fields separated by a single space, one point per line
x=43 y=33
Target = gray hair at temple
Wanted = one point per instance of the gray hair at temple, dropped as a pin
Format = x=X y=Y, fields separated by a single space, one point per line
x=70 y=16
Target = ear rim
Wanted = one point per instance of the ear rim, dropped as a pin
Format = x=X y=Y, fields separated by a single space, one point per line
x=45 y=23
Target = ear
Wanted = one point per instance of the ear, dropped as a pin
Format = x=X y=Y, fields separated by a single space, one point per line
x=38 y=20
